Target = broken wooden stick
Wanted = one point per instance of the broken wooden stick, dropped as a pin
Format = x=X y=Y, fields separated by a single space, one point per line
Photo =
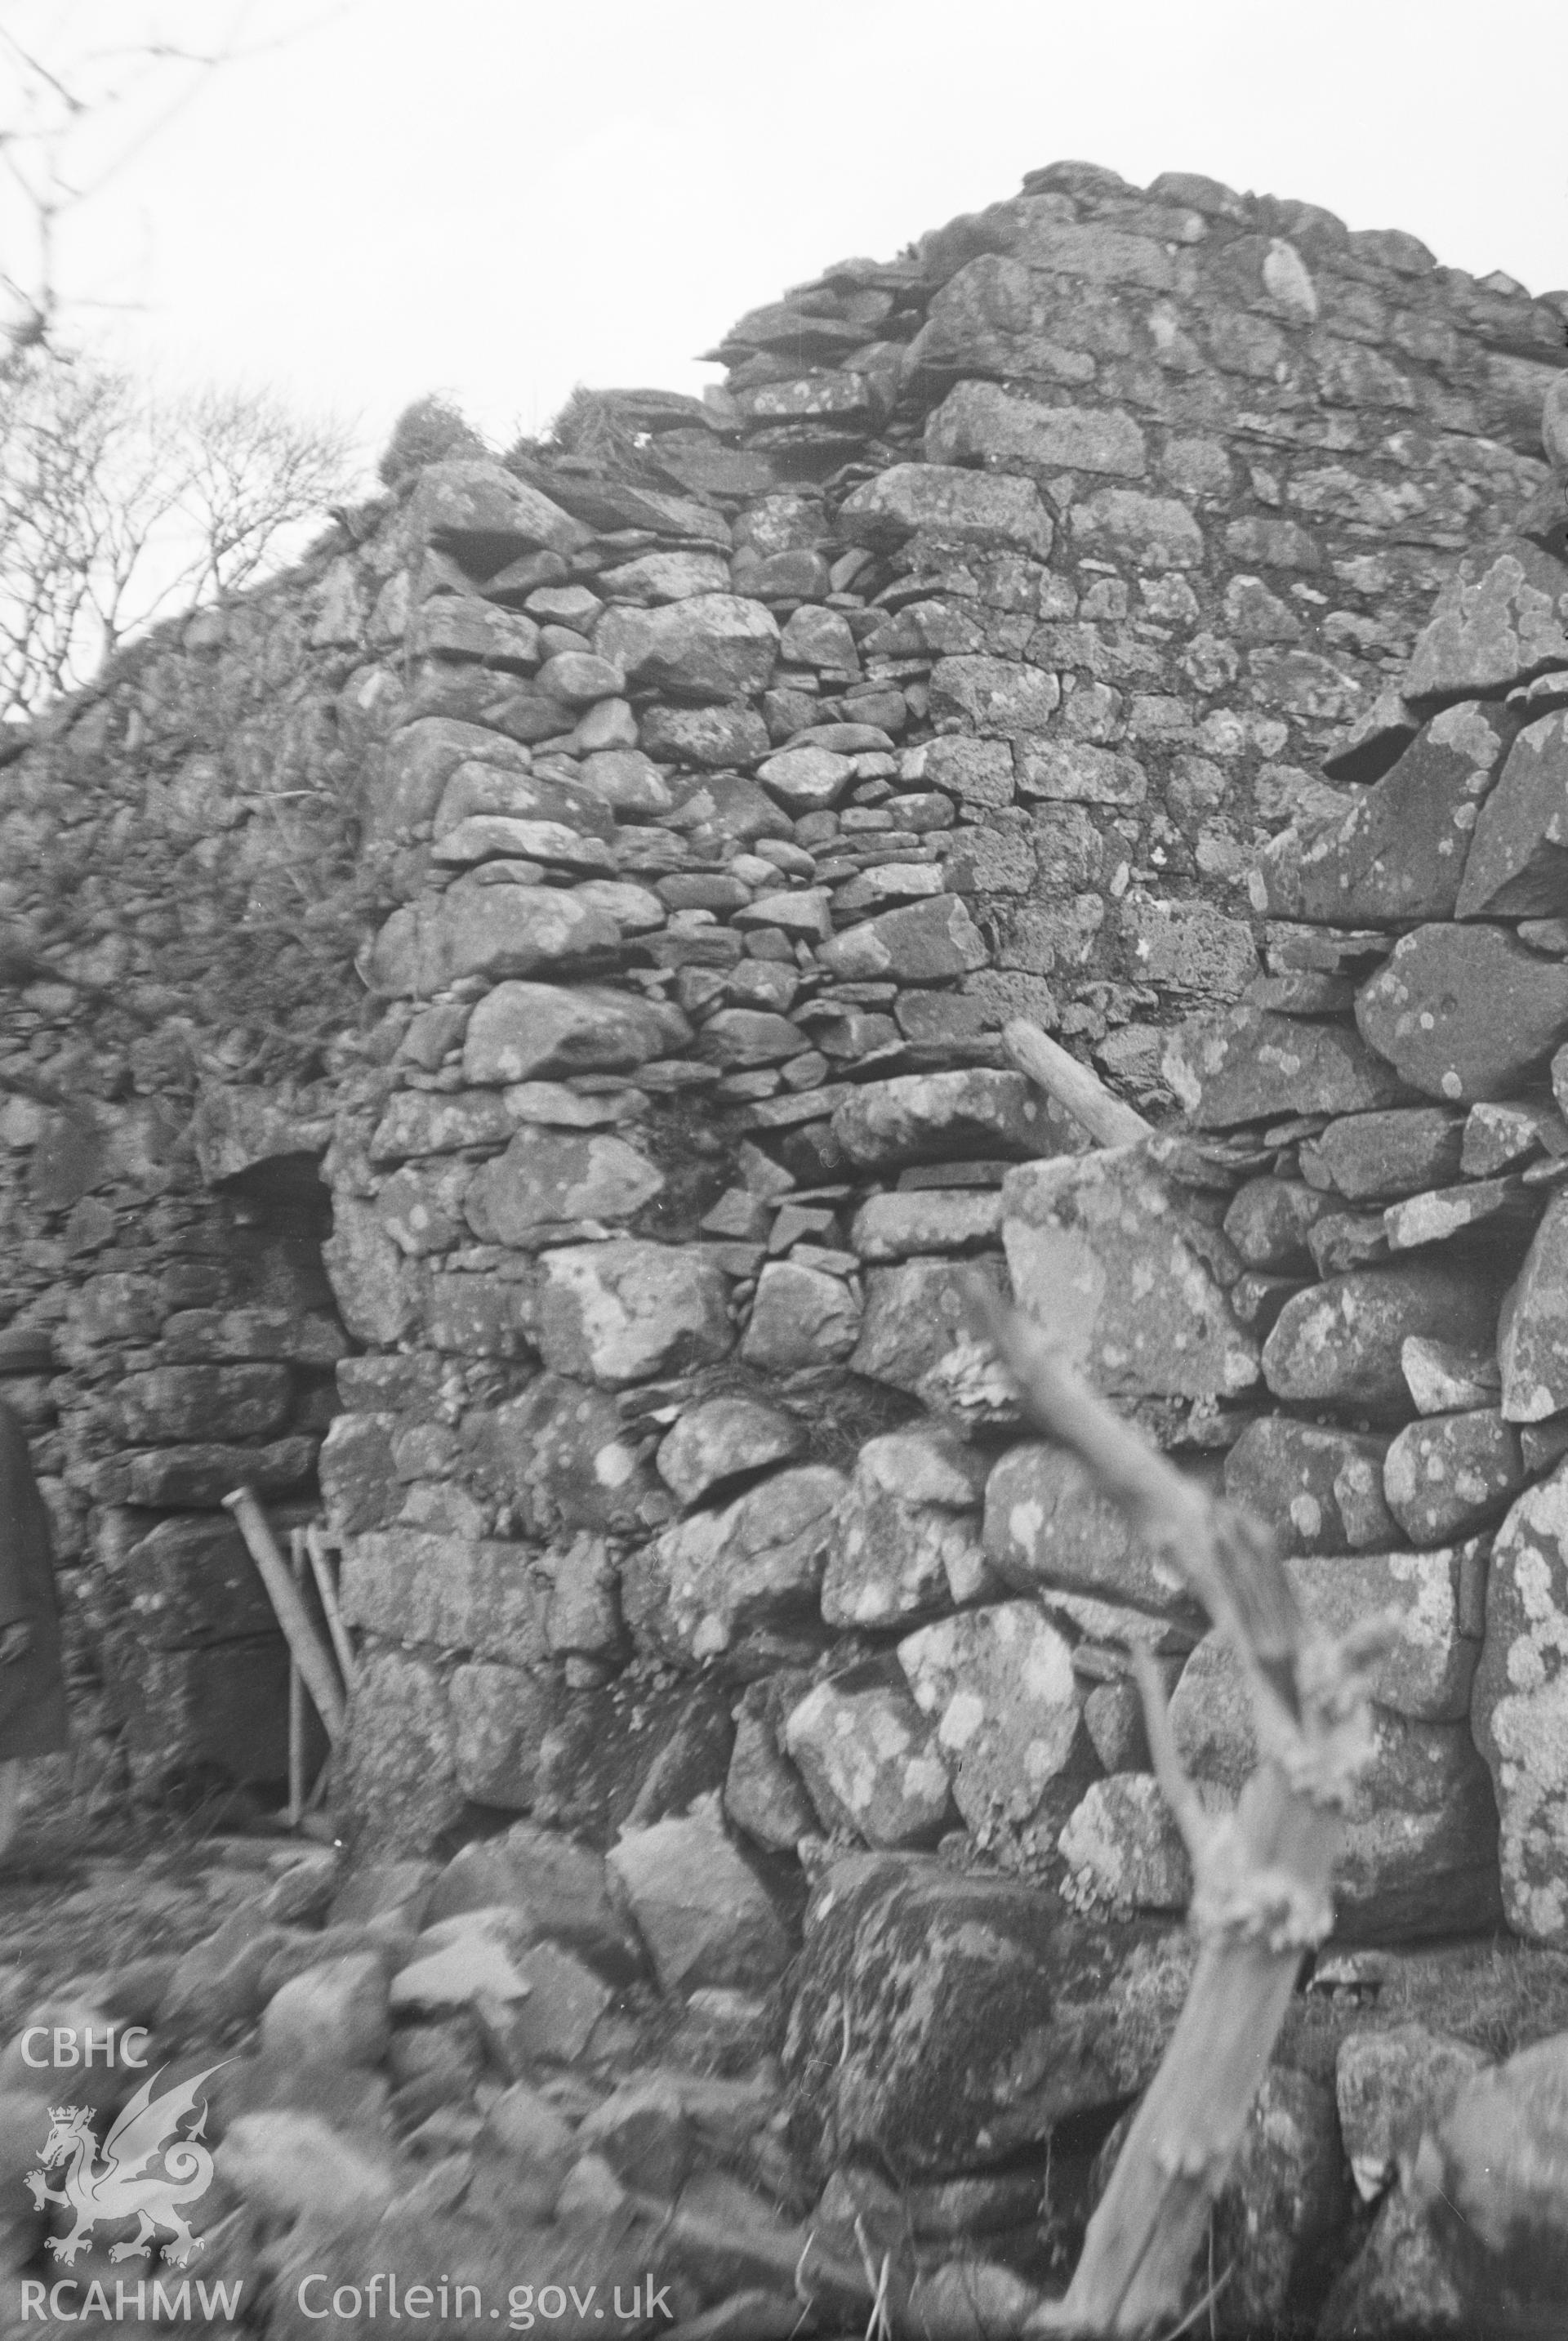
x=1262 y=1874
x=1108 y=1119
x=311 y=1654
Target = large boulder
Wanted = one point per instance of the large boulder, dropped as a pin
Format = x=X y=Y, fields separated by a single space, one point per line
x=941 y=2024
x=492 y=931
x=1101 y=1251
x=992 y=511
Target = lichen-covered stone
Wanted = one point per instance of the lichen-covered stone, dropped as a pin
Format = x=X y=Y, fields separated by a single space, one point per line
x=907 y=1535
x=1518 y=861
x=1400 y=853
x=922 y=944
x=998 y=1684
x=1389 y=2086
x=1048 y=1524
x=869 y=1761
x=1362 y=1156
x=800 y=1317
x=626 y=1311
x=547 y=1177
x=1452 y=1474
x=1340 y=1342
x=1497 y=623
x=1463 y=1012
x=1123 y=1848
x=892 y=1226
x=757 y=1562
x=916 y=1992
x=914 y=1320
x=1520 y=1708
x=537 y=1031
x=723 y=1438
x=1246 y=1064
x=486 y=930
x=447 y=1592
x=705 y=647
x=699 y=1908
x=942 y=1117
x=1100 y=1250
x=1419 y=1852
x=1268 y=1220
x=1533 y=1330
x=1319 y=1490
x=967 y=507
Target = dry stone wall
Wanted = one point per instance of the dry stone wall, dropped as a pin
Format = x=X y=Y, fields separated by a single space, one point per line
x=734 y=777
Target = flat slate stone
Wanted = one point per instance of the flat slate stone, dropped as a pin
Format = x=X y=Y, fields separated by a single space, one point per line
x=1400 y=853
x=1339 y=1343
x=1320 y=1491
x=1520 y=1709
x=1532 y=1332
x=892 y=1226
x=1244 y=1064
x=924 y=943
x=929 y=1117
x=1464 y=1013
x=1497 y=623
x=1100 y=1250
x=1452 y=1474
x=1368 y=1156
x=1448 y=1211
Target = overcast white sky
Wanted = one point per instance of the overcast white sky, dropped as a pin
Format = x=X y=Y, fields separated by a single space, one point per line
x=499 y=198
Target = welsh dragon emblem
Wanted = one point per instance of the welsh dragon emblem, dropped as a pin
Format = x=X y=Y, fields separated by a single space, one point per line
x=125 y=2185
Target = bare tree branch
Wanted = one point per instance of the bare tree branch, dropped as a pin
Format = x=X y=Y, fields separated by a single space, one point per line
x=116 y=503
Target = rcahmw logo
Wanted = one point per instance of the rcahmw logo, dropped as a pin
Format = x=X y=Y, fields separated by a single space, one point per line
x=148 y=2172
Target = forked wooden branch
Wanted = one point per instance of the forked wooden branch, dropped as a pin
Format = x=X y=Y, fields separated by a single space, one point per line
x=1262 y=1874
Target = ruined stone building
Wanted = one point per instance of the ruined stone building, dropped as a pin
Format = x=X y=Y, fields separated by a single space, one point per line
x=503 y=1051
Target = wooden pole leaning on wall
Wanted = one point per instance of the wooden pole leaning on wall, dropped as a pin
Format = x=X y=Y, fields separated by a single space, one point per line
x=1108 y=1119
x=1262 y=1874
x=315 y=1543
x=310 y=1654
x=296 y=1804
